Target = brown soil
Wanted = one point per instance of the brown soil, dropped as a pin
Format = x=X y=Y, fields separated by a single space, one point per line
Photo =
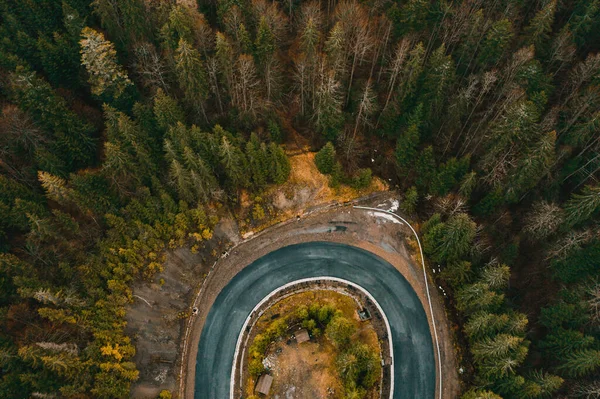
x=307 y=371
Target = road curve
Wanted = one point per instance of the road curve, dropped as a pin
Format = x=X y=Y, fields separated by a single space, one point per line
x=414 y=363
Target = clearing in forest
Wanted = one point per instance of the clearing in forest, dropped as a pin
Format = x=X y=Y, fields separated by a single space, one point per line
x=342 y=356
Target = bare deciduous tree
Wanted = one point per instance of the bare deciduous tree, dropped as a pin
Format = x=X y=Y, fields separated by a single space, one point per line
x=544 y=219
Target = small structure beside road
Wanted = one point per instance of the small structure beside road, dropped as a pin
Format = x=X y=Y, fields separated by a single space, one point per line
x=302 y=336
x=263 y=385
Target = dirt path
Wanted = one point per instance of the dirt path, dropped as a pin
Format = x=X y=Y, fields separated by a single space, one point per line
x=346 y=225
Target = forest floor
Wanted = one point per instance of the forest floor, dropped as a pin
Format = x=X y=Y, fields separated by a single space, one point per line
x=307 y=370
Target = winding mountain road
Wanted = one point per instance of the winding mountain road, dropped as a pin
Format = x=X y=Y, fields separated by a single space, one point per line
x=414 y=363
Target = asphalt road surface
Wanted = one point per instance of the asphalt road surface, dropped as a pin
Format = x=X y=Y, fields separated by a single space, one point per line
x=414 y=363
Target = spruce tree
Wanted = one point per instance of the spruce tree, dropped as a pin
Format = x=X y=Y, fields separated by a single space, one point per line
x=582 y=206
x=540 y=26
x=99 y=57
x=280 y=164
x=425 y=170
x=496 y=42
x=581 y=363
x=192 y=77
x=166 y=110
x=325 y=158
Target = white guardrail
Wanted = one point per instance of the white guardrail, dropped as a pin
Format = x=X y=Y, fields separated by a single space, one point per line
x=437 y=343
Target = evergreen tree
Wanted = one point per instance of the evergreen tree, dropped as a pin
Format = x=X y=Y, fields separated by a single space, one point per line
x=409 y=203
x=55 y=187
x=496 y=42
x=234 y=165
x=411 y=74
x=280 y=164
x=582 y=206
x=166 y=110
x=257 y=162
x=265 y=47
x=179 y=26
x=581 y=363
x=532 y=167
x=425 y=169
x=325 y=158
x=192 y=77
x=406 y=148
x=438 y=78
x=328 y=112
x=100 y=60
x=458 y=235
x=540 y=26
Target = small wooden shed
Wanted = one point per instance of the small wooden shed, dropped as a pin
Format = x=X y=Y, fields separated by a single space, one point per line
x=263 y=385
x=302 y=336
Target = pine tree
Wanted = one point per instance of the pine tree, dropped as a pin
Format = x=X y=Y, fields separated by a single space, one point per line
x=411 y=73
x=335 y=49
x=547 y=384
x=495 y=348
x=532 y=167
x=100 y=60
x=413 y=14
x=325 y=158
x=582 y=206
x=179 y=26
x=438 y=77
x=73 y=146
x=201 y=177
x=411 y=198
x=234 y=165
x=458 y=235
x=55 y=187
x=192 y=77
x=456 y=273
x=496 y=276
x=581 y=363
x=224 y=58
x=496 y=42
x=476 y=297
x=540 y=26
x=562 y=342
x=265 y=48
x=584 y=19
x=406 y=148
x=245 y=43
x=280 y=164
x=425 y=169
x=257 y=162
x=166 y=110
x=328 y=113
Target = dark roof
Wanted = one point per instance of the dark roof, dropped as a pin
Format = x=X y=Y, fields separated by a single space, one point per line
x=302 y=336
x=264 y=384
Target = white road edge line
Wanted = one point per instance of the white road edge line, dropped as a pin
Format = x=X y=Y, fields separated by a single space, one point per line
x=437 y=342
x=304 y=280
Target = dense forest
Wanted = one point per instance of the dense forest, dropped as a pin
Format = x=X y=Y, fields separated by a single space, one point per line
x=125 y=122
